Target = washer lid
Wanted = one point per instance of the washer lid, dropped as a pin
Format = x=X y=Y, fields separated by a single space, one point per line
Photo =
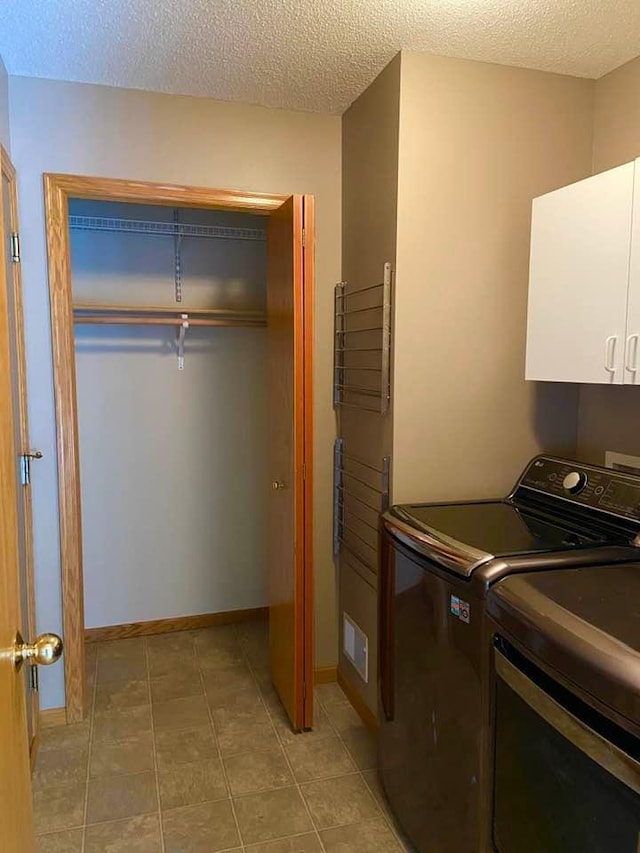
x=584 y=623
x=463 y=536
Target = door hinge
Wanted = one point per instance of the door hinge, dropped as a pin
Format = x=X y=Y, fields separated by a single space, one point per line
x=304 y=236
x=15 y=247
x=304 y=471
x=25 y=465
x=34 y=682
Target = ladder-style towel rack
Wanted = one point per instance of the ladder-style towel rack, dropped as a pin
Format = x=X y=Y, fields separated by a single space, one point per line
x=360 y=494
x=362 y=346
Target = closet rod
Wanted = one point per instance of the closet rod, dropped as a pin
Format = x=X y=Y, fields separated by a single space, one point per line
x=93 y=308
x=119 y=320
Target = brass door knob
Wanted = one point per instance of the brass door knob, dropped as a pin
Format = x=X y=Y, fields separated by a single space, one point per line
x=45 y=651
x=277 y=485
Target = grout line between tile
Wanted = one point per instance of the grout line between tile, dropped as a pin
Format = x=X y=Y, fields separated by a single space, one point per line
x=383 y=813
x=215 y=735
x=153 y=745
x=89 y=748
x=284 y=751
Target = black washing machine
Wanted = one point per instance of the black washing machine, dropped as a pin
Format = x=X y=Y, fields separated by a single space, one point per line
x=438 y=563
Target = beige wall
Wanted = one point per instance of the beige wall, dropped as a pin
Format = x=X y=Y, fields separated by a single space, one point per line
x=4 y=107
x=477 y=143
x=609 y=418
x=369 y=211
x=93 y=130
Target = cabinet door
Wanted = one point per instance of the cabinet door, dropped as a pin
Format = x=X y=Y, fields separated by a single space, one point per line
x=579 y=277
x=632 y=343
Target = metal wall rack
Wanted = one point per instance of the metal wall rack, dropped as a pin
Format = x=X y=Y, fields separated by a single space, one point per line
x=362 y=346
x=360 y=494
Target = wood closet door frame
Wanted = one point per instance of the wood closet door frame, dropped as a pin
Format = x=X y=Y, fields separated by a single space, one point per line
x=58 y=190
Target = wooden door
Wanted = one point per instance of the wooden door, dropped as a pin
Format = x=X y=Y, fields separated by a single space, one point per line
x=579 y=276
x=290 y=338
x=13 y=284
x=16 y=830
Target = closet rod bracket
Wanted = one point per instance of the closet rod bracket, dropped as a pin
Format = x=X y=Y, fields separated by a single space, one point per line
x=182 y=333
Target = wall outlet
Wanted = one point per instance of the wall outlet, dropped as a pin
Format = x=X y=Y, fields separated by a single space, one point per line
x=622 y=462
x=355 y=645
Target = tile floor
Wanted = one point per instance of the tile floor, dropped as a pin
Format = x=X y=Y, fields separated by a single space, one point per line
x=186 y=749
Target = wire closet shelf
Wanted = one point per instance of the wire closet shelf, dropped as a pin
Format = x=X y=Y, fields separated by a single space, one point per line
x=180 y=316
x=360 y=494
x=362 y=346
x=163 y=229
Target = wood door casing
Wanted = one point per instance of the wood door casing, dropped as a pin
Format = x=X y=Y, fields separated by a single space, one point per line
x=289 y=548
x=16 y=822
x=21 y=424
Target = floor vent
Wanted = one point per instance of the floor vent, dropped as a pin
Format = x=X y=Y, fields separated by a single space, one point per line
x=355 y=645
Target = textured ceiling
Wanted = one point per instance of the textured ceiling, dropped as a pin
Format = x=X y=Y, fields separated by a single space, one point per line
x=302 y=54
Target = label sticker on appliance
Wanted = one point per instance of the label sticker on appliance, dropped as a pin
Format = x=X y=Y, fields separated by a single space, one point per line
x=460 y=609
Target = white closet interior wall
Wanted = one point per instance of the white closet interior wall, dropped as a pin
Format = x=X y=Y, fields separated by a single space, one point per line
x=173 y=463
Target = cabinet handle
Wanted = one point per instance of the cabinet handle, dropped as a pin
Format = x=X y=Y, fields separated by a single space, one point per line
x=631 y=362
x=610 y=354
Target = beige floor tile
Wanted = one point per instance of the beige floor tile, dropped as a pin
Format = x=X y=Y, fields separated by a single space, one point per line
x=61 y=766
x=133 y=755
x=116 y=695
x=176 y=641
x=58 y=807
x=69 y=841
x=184 y=746
x=121 y=669
x=136 y=835
x=64 y=737
x=330 y=695
x=318 y=758
x=343 y=717
x=256 y=631
x=119 y=725
x=177 y=685
x=307 y=843
x=321 y=726
x=125 y=649
x=372 y=780
x=171 y=662
x=204 y=828
x=271 y=814
x=222 y=686
x=251 y=772
x=370 y=837
x=218 y=637
x=188 y=784
x=116 y=797
x=336 y=802
x=362 y=746
x=240 y=731
x=220 y=658
x=187 y=713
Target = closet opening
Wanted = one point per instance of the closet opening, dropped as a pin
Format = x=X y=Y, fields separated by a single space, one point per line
x=182 y=323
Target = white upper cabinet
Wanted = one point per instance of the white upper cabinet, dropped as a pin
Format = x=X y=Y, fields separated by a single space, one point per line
x=579 y=328
x=632 y=353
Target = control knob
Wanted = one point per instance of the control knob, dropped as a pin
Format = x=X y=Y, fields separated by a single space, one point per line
x=574 y=482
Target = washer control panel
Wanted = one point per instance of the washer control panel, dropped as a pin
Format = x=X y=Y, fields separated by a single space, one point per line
x=586 y=485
